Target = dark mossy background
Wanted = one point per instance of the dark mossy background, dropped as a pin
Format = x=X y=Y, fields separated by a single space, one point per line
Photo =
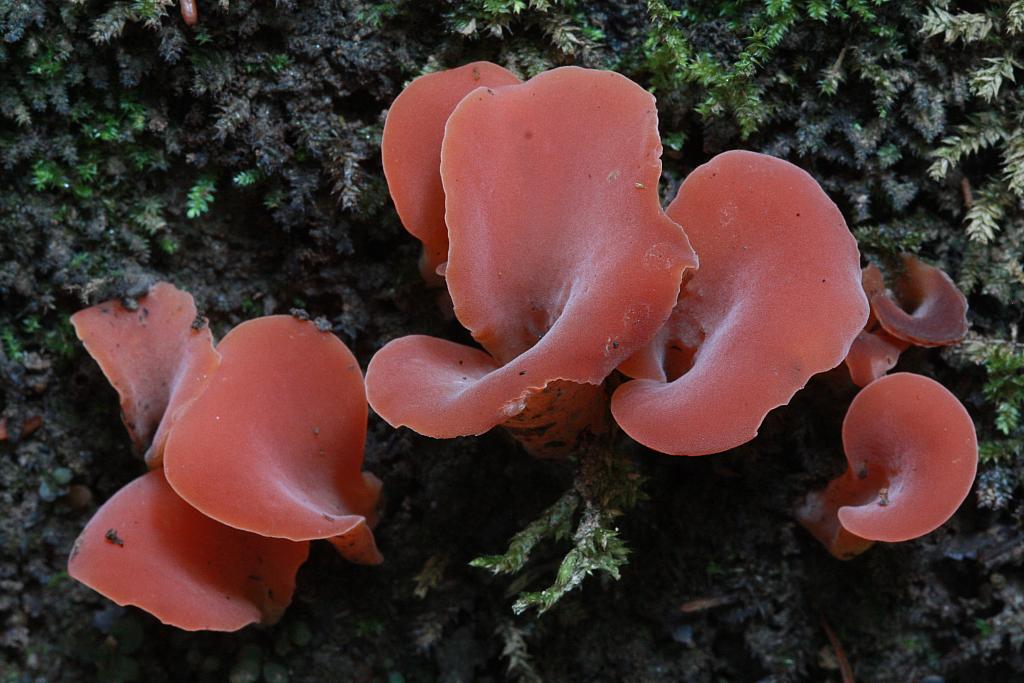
x=240 y=160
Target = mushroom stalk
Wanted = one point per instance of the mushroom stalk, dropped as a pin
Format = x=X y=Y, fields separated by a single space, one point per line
x=558 y=418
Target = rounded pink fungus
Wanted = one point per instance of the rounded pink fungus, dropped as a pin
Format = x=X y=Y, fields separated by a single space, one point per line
x=274 y=445
x=561 y=261
x=262 y=444
x=157 y=354
x=874 y=352
x=776 y=300
x=912 y=454
x=922 y=307
x=411 y=152
x=149 y=548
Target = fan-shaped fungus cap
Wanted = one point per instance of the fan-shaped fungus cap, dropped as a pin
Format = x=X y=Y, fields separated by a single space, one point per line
x=274 y=445
x=923 y=307
x=147 y=547
x=912 y=455
x=158 y=356
x=561 y=263
x=411 y=152
x=776 y=300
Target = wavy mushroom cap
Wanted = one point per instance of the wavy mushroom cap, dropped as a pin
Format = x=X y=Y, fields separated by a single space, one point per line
x=148 y=548
x=913 y=455
x=157 y=355
x=274 y=445
x=411 y=152
x=923 y=307
x=561 y=262
x=777 y=299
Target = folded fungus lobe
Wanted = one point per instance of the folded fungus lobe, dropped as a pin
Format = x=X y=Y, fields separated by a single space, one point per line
x=922 y=306
x=158 y=355
x=411 y=152
x=561 y=260
x=149 y=548
x=777 y=299
x=274 y=445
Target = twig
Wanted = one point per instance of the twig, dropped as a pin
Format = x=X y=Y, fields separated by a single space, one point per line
x=965 y=188
x=845 y=670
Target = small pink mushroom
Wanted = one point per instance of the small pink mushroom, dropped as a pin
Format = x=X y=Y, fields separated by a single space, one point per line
x=912 y=454
x=923 y=306
x=872 y=355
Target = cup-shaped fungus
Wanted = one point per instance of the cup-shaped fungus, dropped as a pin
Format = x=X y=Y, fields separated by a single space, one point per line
x=411 y=152
x=922 y=307
x=156 y=353
x=776 y=300
x=874 y=352
x=912 y=454
x=274 y=444
x=263 y=452
x=561 y=261
x=148 y=548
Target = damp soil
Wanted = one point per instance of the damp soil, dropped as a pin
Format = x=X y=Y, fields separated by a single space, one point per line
x=721 y=585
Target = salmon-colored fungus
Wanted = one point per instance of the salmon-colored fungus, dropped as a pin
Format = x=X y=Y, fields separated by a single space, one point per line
x=149 y=548
x=912 y=454
x=281 y=423
x=924 y=308
x=262 y=451
x=561 y=261
x=872 y=354
x=156 y=353
x=411 y=152
x=777 y=299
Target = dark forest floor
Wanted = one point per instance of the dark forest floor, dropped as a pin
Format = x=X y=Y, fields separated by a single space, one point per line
x=240 y=160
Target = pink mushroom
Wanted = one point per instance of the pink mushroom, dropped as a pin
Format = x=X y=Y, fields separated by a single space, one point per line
x=561 y=261
x=282 y=422
x=149 y=548
x=912 y=454
x=776 y=300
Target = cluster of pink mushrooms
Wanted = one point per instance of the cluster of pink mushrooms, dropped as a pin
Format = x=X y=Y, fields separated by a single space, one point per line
x=254 y=448
x=538 y=208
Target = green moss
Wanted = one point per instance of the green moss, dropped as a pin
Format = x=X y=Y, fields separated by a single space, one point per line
x=264 y=123
x=605 y=487
x=200 y=197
